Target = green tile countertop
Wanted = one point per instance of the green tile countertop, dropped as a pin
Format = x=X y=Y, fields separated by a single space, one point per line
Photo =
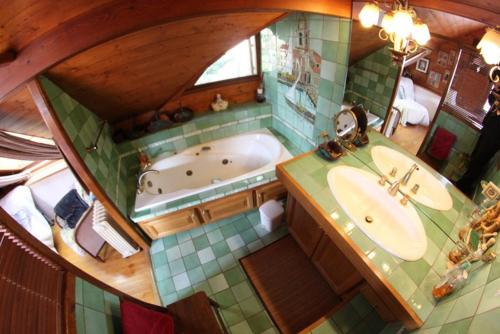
x=412 y=280
x=210 y=195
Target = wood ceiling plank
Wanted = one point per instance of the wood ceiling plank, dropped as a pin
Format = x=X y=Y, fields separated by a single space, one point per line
x=18 y=113
x=112 y=19
x=110 y=79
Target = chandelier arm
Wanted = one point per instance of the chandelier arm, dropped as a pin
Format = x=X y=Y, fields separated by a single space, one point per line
x=495 y=78
x=383 y=35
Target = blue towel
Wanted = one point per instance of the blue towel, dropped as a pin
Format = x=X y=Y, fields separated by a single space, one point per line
x=71 y=207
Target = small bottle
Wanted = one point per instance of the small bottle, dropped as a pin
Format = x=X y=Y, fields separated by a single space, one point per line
x=454 y=279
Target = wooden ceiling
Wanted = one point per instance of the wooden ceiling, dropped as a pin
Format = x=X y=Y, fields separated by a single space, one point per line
x=18 y=113
x=363 y=42
x=143 y=70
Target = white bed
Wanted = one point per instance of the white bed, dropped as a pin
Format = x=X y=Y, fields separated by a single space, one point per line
x=417 y=104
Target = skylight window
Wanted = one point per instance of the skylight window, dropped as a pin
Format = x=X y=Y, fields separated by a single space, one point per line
x=240 y=61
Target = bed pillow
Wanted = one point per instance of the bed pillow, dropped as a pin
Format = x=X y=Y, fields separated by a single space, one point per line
x=71 y=208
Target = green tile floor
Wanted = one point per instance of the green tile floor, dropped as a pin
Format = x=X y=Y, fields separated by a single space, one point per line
x=206 y=259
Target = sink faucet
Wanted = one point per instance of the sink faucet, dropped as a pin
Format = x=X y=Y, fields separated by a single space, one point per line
x=140 y=186
x=394 y=187
x=407 y=176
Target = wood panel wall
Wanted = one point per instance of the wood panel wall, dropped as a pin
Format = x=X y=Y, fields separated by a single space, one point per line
x=422 y=79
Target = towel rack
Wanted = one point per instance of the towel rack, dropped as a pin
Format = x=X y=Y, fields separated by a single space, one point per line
x=93 y=147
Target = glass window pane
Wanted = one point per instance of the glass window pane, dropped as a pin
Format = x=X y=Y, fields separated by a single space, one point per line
x=240 y=61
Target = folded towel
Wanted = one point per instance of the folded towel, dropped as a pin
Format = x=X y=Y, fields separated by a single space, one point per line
x=71 y=207
x=441 y=144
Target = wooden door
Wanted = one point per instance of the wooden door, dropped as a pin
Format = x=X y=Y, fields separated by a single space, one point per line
x=302 y=226
x=334 y=266
x=273 y=190
x=175 y=222
x=227 y=206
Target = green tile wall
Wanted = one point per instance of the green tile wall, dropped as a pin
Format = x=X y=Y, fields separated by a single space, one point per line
x=96 y=310
x=82 y=126
x=466 y=140
x=329 y=37
x=370 y=81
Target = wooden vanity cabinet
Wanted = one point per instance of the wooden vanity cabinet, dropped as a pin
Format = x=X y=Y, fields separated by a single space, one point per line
x=302 y=226
x=175 y=222
x=227 y=206
x=328 y=259
x=273 y=190
x=334 y=266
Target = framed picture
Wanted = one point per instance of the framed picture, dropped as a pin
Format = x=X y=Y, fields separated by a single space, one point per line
x=443 y=58
x=423 y=65
x=434 y=79
x=446 y=76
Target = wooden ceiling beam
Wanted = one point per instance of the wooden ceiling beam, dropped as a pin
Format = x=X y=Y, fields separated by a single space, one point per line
x=119 y=17
x=7 y=57
x=485 y=11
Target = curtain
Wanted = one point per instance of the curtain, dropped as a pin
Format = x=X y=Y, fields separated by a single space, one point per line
x=14 y=147
x=11 y=179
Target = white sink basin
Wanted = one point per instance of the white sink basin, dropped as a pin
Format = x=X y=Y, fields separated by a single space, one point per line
x=431 y=193
x=394 y=227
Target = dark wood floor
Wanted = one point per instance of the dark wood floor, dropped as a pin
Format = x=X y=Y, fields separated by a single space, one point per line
x=291 y=288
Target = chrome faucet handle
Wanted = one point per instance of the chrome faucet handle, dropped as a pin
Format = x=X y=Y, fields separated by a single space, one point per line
x=393 y=172
x=405 y=199
x=383 y=180
x=415 y=189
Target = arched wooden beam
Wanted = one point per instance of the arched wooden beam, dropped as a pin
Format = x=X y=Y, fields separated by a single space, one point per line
x=121 y=17
x=486 y=11
x=77 y=163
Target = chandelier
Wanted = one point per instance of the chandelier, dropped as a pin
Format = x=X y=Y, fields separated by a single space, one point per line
x=400 y=25
x=489 y=47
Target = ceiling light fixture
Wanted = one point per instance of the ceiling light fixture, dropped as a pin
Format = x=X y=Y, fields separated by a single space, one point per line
x=489 y=47
x=400 y=25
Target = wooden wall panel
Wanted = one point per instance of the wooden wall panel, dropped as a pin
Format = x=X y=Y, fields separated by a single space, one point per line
x=18 y=113
x=141 y=71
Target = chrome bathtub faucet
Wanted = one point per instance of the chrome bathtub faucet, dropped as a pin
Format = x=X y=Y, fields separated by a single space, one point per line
x=140 y=185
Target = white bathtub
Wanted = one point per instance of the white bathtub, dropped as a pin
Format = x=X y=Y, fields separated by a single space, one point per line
x=210 y=165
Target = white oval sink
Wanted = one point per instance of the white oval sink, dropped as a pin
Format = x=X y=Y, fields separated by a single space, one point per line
x=431 y=192
x=394 y=227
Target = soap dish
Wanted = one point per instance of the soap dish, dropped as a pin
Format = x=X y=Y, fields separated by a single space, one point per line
x=330 y=151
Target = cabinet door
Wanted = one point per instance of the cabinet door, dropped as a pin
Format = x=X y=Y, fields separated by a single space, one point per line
x=372 y=297
x=334 y=266
x=172 y=223
x=302 y=226
x=227 y=206
x=273 y=190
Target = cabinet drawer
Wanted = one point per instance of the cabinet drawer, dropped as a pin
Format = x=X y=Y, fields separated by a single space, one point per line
x=334 y=266
x=172 y=223
x=302 y=226
x=273 y=190
x=227 y=206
